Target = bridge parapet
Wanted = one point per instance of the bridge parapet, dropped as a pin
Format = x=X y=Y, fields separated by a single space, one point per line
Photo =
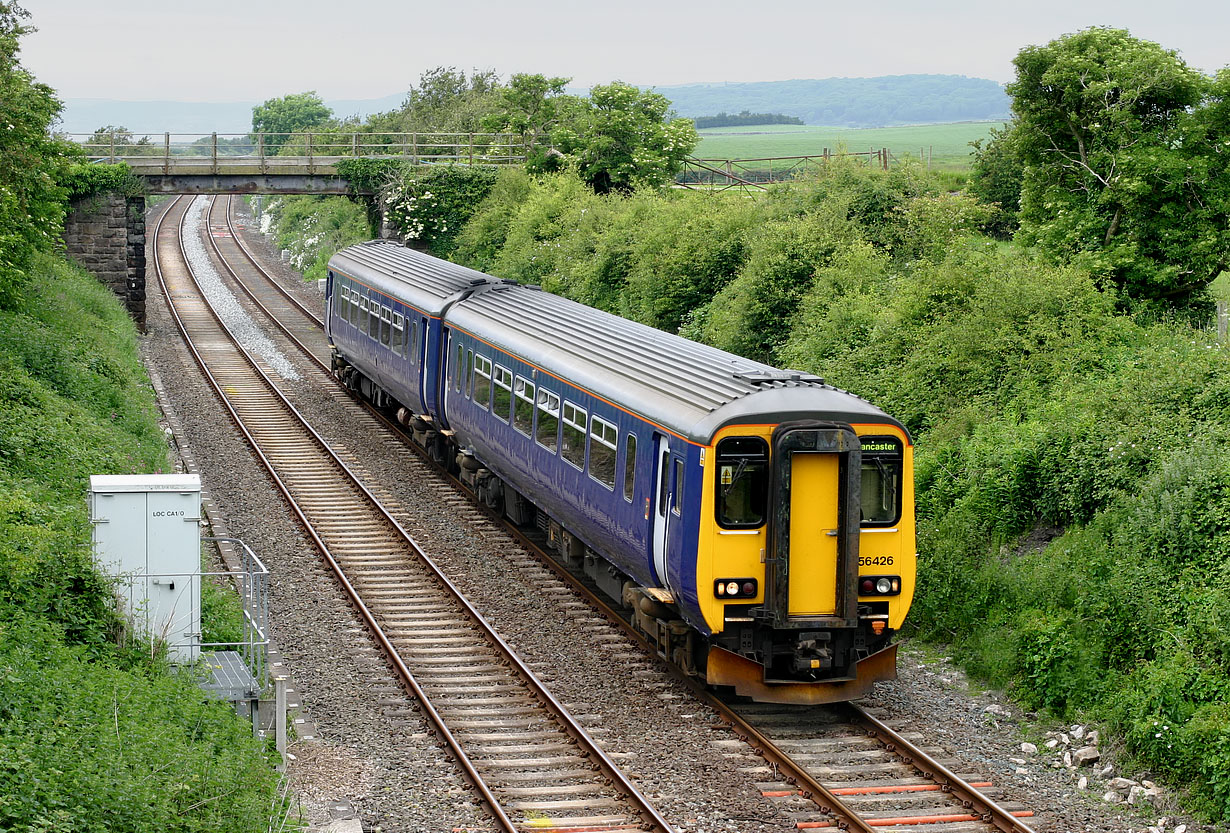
x=271 y=163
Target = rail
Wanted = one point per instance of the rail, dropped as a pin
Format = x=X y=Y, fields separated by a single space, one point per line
x=171 y=153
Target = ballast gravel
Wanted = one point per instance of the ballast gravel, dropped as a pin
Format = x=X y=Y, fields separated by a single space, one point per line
x=383 y=760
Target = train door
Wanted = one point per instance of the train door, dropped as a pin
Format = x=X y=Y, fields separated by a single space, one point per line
x=420 y=350
x=662 y=499
x=450 y=370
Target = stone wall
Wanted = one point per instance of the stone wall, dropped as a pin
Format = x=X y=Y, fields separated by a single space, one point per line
x=105 y=233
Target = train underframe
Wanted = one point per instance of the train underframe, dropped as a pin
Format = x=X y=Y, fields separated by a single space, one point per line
x=763 y=663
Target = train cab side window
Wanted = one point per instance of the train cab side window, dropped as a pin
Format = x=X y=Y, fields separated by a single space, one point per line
x=881 y=480
x=630 y=467
x=399 y=334
x=742 y=489
x=548 y=420
x=523 y=405
x=677 y=497
x=573 y=444
x=482 y=381
x=603 y=443
x=386 y=326
x=502 y=402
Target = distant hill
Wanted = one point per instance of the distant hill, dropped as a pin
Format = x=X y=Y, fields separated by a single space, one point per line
x=851 y=102
x=85 y=115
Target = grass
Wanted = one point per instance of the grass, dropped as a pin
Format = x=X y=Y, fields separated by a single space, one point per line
x=948 y=144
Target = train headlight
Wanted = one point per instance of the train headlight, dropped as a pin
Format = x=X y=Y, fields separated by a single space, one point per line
x=879 y=585
x=735 y=588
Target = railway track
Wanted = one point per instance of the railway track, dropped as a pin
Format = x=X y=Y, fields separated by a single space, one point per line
x=826 y=767
x=532 y=764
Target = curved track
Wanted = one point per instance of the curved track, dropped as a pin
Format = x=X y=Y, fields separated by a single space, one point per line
x=533 y=765
x=828 y=766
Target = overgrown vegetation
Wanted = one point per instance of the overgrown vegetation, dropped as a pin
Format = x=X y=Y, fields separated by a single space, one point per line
x=95 y=731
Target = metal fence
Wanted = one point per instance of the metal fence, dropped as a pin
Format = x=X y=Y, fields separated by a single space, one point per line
x=270 y=150
x=748 y=174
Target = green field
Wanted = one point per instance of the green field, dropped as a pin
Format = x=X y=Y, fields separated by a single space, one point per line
x=948 y=144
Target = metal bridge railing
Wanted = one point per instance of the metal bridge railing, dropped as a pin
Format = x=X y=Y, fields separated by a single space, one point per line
x=173 y=152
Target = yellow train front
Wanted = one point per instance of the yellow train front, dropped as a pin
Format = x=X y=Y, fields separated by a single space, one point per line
x=804 y=547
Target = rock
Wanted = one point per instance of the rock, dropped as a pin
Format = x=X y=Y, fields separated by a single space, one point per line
x=1017 y=761
x=1022 y=771
x=1108 y=771
x=1077 y=732
x=1092 y=737
x=1136 y=795
x=1029 y=749
x=998 y=710
x=1182 y=828
x=1064 y=739
x=1110 y=797
x=1148 y=785
x=1052 y=743
x=1086 y=756
x=1082 y=784
x=1122 y=784
x=1067 y=759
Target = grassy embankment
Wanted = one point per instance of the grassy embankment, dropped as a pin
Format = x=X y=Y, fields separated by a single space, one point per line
x=96 y=732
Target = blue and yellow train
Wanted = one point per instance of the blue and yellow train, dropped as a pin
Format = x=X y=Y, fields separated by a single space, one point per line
x=757 y=523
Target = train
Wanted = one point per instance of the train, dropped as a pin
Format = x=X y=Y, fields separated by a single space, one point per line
x=756 y=524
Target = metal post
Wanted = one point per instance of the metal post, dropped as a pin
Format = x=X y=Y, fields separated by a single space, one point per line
x=279 y=719
x=166 y=154
x=112 y=157
x=308 y=142
x=215 y=146
x=260 y=148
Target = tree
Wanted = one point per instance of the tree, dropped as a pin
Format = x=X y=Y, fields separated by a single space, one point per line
x=529 y=108
x=444 y=101
x=1122 y=166
x=620 y=137
x=996 y=176
x=31 y=204
x=279 y=117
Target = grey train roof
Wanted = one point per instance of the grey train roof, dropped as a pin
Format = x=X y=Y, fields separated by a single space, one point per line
x=425 y=281
x=689 y=388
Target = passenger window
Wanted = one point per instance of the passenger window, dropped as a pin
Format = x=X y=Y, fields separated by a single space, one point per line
x=603 y=443
x=414 y=341
x=386 y=325
x=459 y=368
x=742 y=488
x=363 y=314
x=677 y=498
x=523 y=405
x=573 y=444
x=373 y=318
x=548 y=420
x=469 y=372
x=354 y=306
x=399 y=334
x=482 y=381
x=502 y=403
x=630 y=467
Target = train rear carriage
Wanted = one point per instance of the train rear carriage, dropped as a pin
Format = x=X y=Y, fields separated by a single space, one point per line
x=383 y=304
x=759 y=521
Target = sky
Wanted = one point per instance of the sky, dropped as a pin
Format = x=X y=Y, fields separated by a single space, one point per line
x=141 y=50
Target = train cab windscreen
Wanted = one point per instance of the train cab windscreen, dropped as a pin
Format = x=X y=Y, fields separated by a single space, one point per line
x=881 y=480
x=743 y=482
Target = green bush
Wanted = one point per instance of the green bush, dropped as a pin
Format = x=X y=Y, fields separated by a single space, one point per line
x=313 y=229
x=431 y=204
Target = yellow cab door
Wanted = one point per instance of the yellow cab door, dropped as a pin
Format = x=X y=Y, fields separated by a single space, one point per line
x=813 y=534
